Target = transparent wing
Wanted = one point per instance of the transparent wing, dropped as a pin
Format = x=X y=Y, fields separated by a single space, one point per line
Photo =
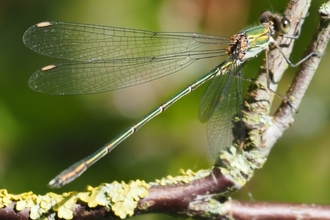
x=216 y=90
x=107 y=58
x=95 y=77
x=220 y=104
x=83 y=42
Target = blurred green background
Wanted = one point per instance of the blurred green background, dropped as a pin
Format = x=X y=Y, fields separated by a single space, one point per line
x=40 y=135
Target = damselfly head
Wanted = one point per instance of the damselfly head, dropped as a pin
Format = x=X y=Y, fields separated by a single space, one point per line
x=281 y=23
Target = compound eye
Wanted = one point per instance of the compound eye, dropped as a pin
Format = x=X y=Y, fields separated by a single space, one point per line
x=285 y=25
x=265 y=17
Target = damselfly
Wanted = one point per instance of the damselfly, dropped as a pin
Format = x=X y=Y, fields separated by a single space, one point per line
x=107 y=58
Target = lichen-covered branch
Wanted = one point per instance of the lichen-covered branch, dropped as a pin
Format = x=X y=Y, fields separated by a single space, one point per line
x=307 y=70
x=283 y=117
x=262 y=128
x=120 y=200
x=170 y=195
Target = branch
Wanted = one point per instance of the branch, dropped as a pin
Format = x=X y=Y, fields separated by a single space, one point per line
x=306 y=71
x=73 y=205
x=170 y=196
x=264 y=135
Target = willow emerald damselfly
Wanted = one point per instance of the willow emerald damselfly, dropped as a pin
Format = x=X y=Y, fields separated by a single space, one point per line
x=108 y=58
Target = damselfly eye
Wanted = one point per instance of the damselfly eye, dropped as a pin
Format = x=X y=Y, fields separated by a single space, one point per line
x=285 y=25
x=265 y=17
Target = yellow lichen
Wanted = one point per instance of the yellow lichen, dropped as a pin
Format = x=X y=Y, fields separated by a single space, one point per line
x=121 y=198
x=20 y=205
x=186 y=177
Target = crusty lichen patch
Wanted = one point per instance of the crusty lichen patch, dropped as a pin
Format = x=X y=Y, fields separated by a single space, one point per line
x=121 y=198
x=240 y=165
x=185 y=177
